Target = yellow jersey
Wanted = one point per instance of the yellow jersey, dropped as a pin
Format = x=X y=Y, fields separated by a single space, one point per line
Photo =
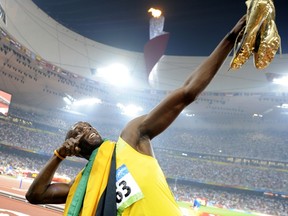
x=141 y=187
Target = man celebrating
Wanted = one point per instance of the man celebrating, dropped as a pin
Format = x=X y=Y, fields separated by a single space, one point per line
x=141 y=188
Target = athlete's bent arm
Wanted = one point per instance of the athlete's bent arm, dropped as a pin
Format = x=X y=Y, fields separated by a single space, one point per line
x=42 y=190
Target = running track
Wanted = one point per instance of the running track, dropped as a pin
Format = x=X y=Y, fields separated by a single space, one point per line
x=13 y=202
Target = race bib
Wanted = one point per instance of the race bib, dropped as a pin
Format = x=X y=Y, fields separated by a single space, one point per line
x=127 y=189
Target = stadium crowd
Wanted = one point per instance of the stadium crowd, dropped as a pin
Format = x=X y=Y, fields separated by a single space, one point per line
x=19 y=130
x=261 y=143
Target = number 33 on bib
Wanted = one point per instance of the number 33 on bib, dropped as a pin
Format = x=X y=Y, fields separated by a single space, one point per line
x=127 y=189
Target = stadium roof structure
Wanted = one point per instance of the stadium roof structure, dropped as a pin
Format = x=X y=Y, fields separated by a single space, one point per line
x=195 y=27
x=73 y=38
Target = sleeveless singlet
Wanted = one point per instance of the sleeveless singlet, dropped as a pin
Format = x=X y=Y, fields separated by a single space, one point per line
x=142 y=189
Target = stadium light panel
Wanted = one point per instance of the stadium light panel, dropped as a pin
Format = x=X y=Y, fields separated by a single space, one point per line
x=281 y=81
x=88 y=102
x=67 y=100
x=283 y=106
x=115 y=74
x=129 y=110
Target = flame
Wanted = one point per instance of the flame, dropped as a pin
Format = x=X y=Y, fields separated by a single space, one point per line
x=155 y=12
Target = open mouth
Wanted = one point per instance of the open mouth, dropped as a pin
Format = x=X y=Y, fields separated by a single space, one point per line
x=92 y=135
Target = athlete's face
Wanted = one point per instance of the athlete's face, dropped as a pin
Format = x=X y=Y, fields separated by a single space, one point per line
x=90 y=139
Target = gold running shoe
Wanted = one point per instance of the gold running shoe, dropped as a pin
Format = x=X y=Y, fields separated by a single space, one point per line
x=257 y=12
x=268 y=42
